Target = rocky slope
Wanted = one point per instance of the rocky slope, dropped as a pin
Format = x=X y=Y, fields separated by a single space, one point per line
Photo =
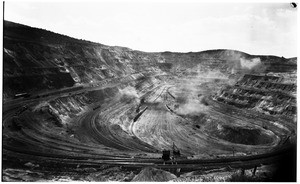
x=38 y=60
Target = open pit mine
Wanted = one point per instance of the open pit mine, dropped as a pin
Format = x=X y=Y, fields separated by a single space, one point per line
x=75 y=110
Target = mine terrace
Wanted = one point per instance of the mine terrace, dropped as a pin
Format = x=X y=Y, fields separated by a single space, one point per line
x=78 y=110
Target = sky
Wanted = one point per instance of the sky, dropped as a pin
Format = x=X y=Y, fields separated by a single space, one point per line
x=180 y=26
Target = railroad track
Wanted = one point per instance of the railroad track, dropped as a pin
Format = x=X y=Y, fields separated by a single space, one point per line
x=72 y=152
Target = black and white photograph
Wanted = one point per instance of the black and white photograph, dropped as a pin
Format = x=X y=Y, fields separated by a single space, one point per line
x=149 y=91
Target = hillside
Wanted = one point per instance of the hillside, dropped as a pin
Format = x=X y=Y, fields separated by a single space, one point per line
x=38 y=60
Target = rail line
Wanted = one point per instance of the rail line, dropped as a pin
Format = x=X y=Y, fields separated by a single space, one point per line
x=72 y=152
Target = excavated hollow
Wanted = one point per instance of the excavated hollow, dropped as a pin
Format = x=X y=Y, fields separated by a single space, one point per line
x=127 y=106
x=243 y=135
x=119 y=124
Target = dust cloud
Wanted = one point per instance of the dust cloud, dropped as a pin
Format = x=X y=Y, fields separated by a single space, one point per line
x=193 y=90
x=129 y=93
x=252 y=65
x=191 y=106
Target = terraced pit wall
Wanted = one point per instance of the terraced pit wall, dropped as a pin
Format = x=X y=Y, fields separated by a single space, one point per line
x=262 y=93
x=37 y=60
x=82 y=104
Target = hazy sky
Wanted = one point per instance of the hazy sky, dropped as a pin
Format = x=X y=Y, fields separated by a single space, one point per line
x=268 y=28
